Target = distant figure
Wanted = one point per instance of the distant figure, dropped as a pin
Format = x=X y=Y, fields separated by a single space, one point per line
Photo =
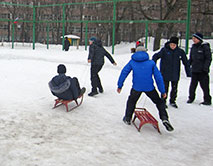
x=96 y=58
x=200 y=61
x=66 y=44
x=138 y=43
x=65 y=87
x=143 y=70
x=170 y=56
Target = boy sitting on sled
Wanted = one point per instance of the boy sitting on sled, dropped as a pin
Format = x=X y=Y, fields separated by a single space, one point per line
x=65 y=87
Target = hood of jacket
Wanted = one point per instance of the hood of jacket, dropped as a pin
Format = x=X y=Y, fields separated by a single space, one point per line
x=168 y=47
x=98 y=43
x=140 y=56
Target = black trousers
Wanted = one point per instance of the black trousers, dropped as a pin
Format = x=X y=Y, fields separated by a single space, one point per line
x=95 y=79
x=153 y=95
x=173 y=93
x=203 y=79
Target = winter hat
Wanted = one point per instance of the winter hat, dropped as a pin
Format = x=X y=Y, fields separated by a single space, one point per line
x=141 y=48
x=174 y=40
x=61 y=69
x=92 y=39
x=140 y=44
x=137 y=43
x=199 y=36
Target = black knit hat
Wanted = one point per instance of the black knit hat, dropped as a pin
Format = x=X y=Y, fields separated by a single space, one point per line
x=61 y=69
x=174 y=40
x=199 y=36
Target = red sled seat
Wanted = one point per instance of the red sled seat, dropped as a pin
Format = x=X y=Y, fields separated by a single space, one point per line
x=144 y=117
x=59 y=102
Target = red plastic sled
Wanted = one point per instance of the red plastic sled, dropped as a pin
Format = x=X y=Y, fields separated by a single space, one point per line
x=59 y=102
x=145 y=117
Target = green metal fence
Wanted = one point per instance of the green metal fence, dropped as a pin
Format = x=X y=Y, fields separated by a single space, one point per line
x=86 y=22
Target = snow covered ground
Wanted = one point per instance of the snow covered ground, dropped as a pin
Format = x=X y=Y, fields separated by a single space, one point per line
x=34 y=134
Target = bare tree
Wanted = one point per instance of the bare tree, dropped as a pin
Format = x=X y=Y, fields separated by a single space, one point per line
x=165 y=10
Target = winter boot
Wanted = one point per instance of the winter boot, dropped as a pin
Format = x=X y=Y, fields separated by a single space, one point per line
x=174 y=105
x=205 y=103
x=168 y=125
x=189 y=101
x=126 y=121
x=93 y=93
x=101 y=90
x=83 y=90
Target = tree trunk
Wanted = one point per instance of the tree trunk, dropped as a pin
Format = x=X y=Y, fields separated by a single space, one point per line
x=157 y=39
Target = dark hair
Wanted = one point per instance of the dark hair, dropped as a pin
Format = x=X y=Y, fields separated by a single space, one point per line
x=61 y=69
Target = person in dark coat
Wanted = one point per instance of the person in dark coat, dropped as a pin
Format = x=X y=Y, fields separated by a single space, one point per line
x=66 y=44
x=200 y=61
x=65 y=87
x=170 y=57
x=96 y=58
x=143 y=69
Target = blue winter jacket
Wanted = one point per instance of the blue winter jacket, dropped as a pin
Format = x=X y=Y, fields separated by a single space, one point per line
x=143 y=70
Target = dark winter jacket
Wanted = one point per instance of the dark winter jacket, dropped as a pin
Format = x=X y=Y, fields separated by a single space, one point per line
x=63 y=87
x=143 y=70
x=66 y=44
x=170 y=62
x=200 y=57
x=97 y=53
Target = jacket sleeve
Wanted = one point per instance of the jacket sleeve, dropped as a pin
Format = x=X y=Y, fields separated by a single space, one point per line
x=91 y=51
x=208 y=58
x=158 y=55
x=109 y=56
x=124 y=73
x=186 y=64
x=159 y=79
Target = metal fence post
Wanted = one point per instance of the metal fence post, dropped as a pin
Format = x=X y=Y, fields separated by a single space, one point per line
x=146 y=34
x=188 y=25
x=13 y=29
x=86 y=35
x=48 y=29
x=34 y=19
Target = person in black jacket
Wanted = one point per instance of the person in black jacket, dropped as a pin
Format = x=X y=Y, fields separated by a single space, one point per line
x=66 y=44
x=96 y=58
x=65 y=87
x=170 y=56
x=200 y=61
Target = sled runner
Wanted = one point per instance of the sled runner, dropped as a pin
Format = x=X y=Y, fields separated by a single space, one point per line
x=145 y=117
x=59 y=102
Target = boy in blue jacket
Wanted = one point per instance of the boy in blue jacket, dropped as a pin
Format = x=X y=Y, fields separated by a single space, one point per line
x=143 y=70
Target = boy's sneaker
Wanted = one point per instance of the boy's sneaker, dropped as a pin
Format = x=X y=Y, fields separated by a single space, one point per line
x=83 y=90
x=205 y=103
x=126 y=121
x=92 y=93
x=174 y=105
x=168 y=126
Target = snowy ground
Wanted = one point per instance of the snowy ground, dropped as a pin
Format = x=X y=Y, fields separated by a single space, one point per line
x=34 y=134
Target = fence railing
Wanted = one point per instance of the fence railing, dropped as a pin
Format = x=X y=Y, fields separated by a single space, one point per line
x=86 y=22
